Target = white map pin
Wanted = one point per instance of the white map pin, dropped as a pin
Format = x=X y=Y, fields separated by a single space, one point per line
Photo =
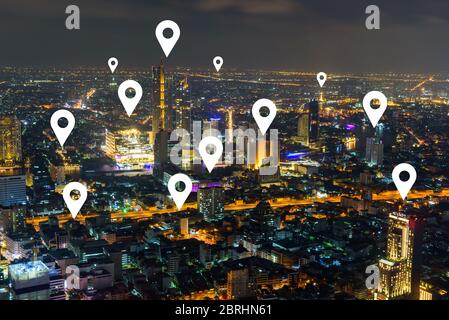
x=210 y=160
x=74 y=205
x=218 y=62
x=62 y=133
x=129 y=103
x=264 y=122
x=112 y=63
x=404 y=186
x=374 y=115
x=167 y=44
x=179 y=197
x=321 y=78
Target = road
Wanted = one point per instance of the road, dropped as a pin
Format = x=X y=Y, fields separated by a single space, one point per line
x=239 y=206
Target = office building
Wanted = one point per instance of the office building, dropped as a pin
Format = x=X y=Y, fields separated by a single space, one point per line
x=12 y=190
x=12 y=219
x=400 y=269
x=303 y=129
x=238 y=284
x=314 y=122
x=184 y=226
x=374 y=151
x=182 y=105
x=10 y=142
x=211 y=203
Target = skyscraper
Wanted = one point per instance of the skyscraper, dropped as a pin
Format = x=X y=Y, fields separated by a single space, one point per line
x=303 y=129
x=182 y=104
x=238 y=284
x=10 y=141
x=211 y=203
x=158 y=99
x=161 y=148
x=374 y=151
x=12 y=219
x=313 y=110
x=308 y=125
x=400 y=270
x=13 y=190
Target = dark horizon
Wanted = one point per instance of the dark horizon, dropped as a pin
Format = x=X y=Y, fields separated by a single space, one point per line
x=267 y=35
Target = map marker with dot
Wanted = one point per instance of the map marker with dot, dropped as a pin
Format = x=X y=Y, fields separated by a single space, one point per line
x=264 y=122
x=62 y=133
x=74 y=205
x=374 y=115
x=210 y=159
x=129 y=103
x=112 y=63
x=218 y=62
x=167 y=44
x=404 y=187
x=321 y=78
x=179 y=197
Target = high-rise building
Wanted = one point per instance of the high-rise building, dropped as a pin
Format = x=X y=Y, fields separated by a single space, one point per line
x=12 y=219
x=13 y=190
x=400 y=270
x=161 y=148
x=211 y=203
x=374 y=151
x=303 y=129
x=308 y=123
x=238 y=284
x=314 y=122
x=184 y=226
x=10 y=141
x=158 y=98
x=161 y=100
x=182 y=104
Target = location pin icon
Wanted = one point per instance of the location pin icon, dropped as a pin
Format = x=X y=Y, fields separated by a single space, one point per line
x=321 y=78
x=210 y=159
x=179 y=197
x=167 y=44
x=218 y=62
x=404 y=186
x=129 y=103
x=374 y=115
x=264 y=122
x=112 y=63
x=62 y=133
x=74 y=205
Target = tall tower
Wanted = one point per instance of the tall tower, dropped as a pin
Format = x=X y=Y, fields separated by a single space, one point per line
x=314 y=114
x=182 y=104
x=374 y=151
x=158 y=98
x=10 y=142
x=303 y=129
x=211 y=203
x=400 y=270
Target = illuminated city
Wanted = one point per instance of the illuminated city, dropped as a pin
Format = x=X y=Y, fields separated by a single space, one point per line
x=307 y=231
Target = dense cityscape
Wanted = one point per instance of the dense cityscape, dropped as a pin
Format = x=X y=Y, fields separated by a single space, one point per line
x=309 y=231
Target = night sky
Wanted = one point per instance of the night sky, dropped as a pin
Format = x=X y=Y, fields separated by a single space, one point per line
x=295 y=35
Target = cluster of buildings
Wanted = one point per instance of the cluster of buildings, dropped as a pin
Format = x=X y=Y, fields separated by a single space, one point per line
x=309 y=231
